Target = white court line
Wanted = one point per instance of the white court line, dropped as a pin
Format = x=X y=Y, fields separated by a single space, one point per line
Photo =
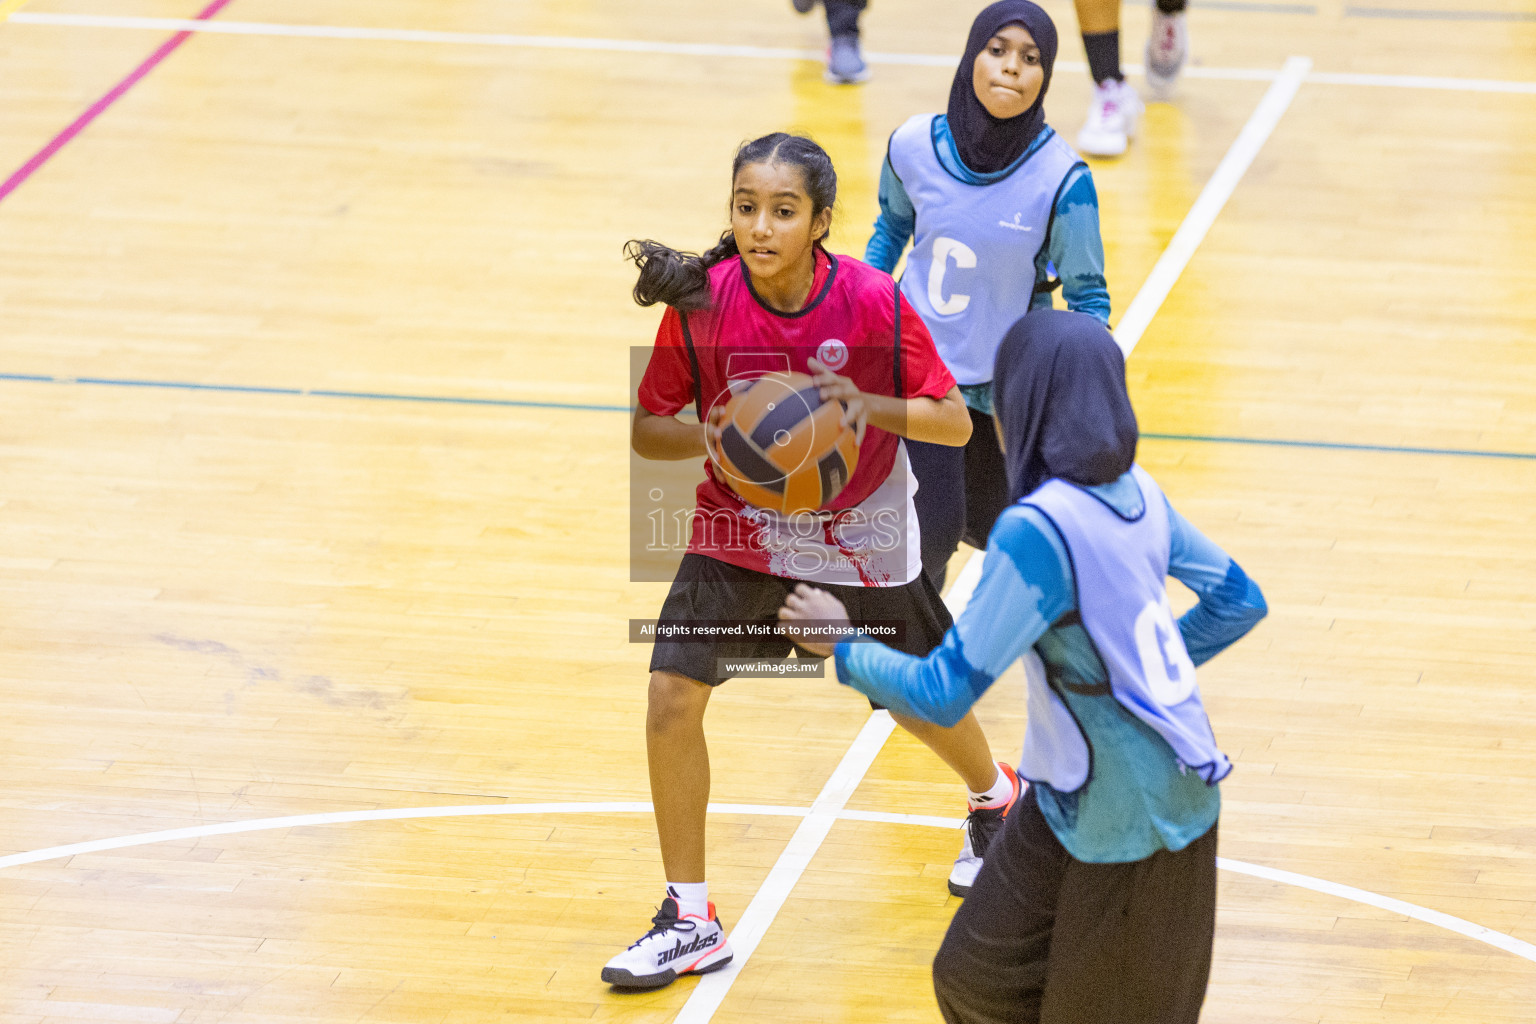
x=596 y=43
x=890 y=818
x=1206 y=208
x=1508 y=943
x=960 y=591
x=1421 y=82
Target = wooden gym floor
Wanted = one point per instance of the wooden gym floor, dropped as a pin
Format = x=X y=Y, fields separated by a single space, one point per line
x=314 y=355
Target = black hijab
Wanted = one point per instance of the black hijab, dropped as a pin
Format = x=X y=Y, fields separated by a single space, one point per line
x=1059 y=392
x=988 y=144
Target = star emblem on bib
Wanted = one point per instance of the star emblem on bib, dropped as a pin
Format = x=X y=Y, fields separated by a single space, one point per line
x=833 y=353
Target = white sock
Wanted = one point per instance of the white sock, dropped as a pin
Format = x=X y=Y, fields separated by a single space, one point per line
x=692 y=898
x=1000 y=793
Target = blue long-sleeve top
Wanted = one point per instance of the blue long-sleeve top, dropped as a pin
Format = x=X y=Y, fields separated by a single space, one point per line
x=1074 y=250
x=1137 y=799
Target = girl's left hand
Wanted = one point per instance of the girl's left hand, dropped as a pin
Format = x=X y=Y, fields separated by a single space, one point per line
x=807 y=604
x=842 y=389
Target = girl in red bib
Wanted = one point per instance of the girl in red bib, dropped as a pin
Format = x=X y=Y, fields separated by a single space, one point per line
x=769 y=297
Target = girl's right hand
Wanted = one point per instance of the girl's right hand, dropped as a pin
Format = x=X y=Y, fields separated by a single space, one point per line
x=844 y=390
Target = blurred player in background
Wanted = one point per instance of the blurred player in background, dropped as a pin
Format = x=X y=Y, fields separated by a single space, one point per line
x=845 y=58
x=1115 y=107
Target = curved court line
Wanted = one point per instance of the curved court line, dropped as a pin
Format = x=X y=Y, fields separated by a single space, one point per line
x=1468 y=929
x=1508 y=943
x=346 y=817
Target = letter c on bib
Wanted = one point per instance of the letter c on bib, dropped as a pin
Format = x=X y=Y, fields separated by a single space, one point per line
x=965 y=259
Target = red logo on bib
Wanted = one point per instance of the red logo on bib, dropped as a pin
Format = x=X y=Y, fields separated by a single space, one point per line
x=833 y=353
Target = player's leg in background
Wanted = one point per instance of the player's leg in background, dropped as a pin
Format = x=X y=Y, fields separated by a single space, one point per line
x=940 y=473
x=1114 y=108
x=992 y=788
x=1167 y=47
x=986 y=481
x=845 y=58
x=962 y=746
x=991 y=967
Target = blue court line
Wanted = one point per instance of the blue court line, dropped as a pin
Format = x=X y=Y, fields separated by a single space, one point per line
x=117 y=382
x=1427 y=14
x=249 y=389
x=1340 y=446
x=513 y=403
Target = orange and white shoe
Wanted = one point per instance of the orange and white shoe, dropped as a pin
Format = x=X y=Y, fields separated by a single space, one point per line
x=673 y=947
x=982 y=825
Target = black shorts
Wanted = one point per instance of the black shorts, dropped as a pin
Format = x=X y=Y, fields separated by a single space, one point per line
x=707 y=589
x=960 y=493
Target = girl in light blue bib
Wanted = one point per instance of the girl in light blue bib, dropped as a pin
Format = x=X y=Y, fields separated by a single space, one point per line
x=1000 y=212
x=1096 y=903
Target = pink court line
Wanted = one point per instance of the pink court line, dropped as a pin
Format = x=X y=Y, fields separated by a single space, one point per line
x=96 y=109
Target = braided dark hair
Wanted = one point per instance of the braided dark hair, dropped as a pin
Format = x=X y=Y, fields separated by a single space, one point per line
x=681 y=279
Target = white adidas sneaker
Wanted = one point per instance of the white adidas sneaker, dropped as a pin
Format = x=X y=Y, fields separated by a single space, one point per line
x=1111 y=120
x=674 y=946
x=981 y=827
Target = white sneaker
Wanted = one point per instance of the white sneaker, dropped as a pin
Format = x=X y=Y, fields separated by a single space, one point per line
x=674 y=946
x=1167 y=49
x=1111 y=119
x=981 y=827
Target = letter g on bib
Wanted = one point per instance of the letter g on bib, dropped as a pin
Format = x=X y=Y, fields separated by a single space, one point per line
x=1165 y=663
